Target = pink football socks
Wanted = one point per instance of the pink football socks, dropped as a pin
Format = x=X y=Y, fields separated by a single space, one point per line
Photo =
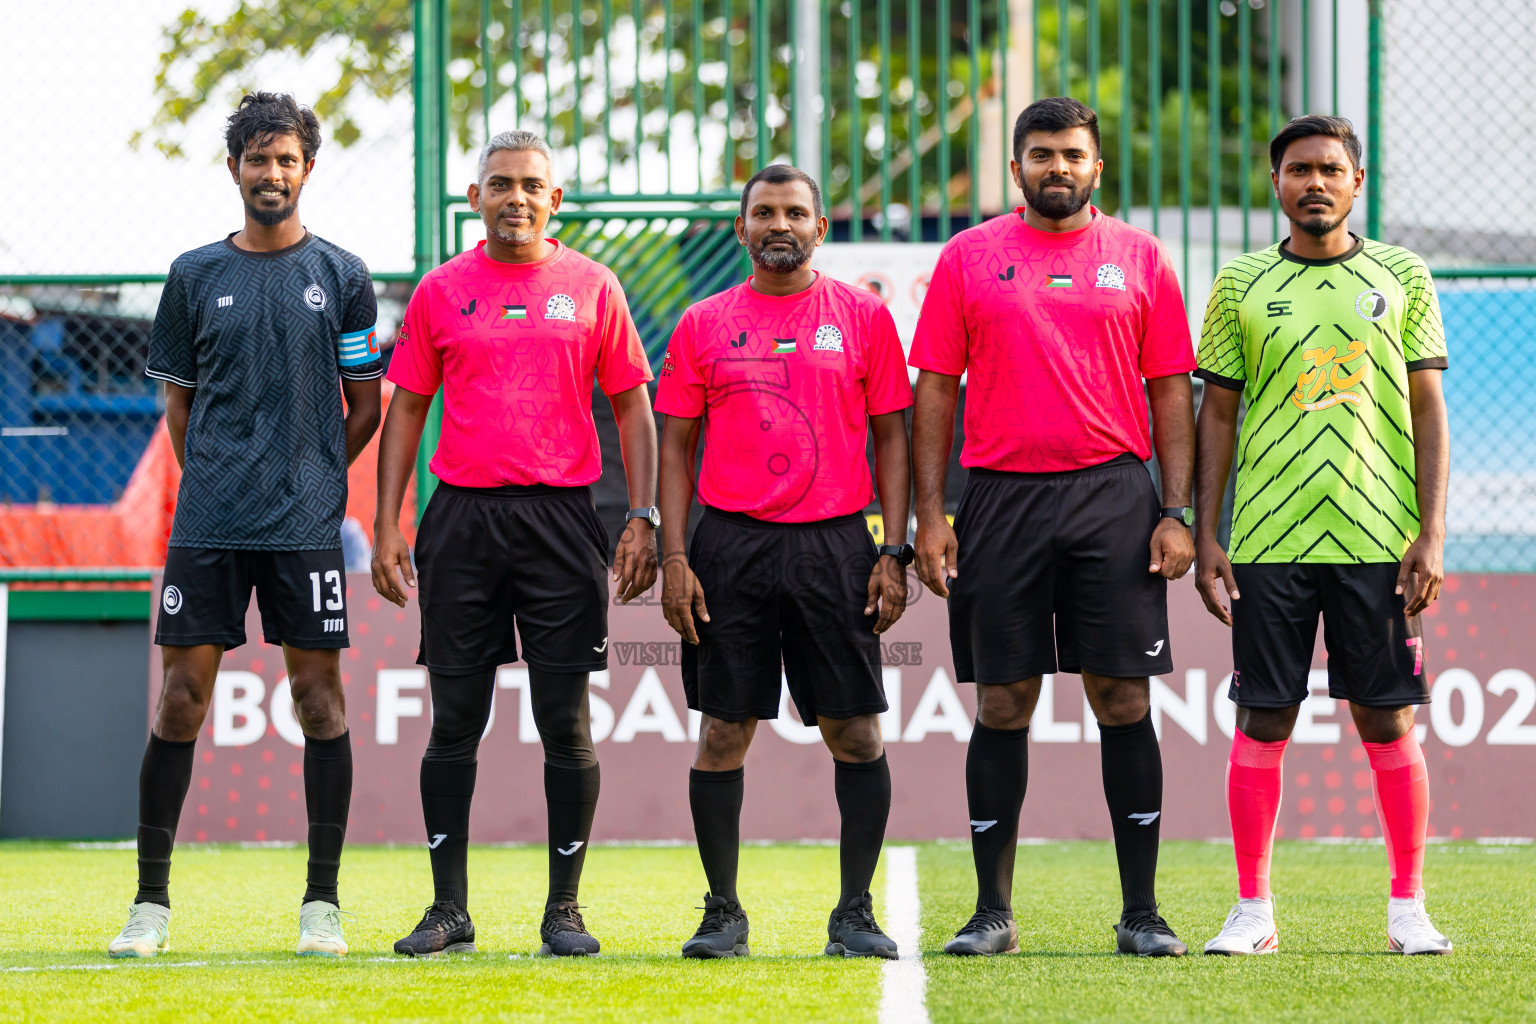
x=1253 y=802
x=1401 y=782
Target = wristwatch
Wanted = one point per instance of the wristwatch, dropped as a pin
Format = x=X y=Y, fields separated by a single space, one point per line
x=1183 y=513
x=903 y=553
x=651 y=515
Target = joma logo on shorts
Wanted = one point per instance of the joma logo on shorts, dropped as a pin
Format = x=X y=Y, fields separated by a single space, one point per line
x=334 y=626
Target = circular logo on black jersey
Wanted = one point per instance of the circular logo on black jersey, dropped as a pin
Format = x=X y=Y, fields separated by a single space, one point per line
x=171 y=601
x=314 y=298
x=1371 y=305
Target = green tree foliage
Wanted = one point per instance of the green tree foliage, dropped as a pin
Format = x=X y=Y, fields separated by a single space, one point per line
x=215 y=60
x=695 y=61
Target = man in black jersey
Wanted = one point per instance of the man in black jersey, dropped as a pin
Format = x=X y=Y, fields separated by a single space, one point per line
x=252 y=334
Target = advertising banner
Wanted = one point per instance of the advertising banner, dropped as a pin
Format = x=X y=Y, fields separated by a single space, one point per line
x=1479 y=735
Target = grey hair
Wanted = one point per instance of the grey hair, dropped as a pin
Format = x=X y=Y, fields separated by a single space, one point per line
x=516 y=141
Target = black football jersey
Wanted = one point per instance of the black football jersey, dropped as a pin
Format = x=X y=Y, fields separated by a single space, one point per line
x=264 y=337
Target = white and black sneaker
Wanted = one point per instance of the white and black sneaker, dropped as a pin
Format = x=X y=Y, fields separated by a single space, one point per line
x=1409 y=930
x=1250 y=928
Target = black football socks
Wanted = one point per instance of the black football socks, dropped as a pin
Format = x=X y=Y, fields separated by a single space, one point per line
x=1133 y=788
x=571 y=794
x=461 y=705
x=996 y=776
x=328 y=798
x=864 y=801
x=164 y=776
x=447 y=790
x=715 y=798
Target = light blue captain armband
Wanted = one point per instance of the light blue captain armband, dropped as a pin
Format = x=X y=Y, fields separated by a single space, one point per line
x=359 y=347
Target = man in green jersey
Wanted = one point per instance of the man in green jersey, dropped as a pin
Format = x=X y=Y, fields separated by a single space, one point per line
x=1335 y=343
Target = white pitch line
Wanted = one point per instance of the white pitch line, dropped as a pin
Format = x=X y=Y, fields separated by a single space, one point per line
x=98 y=967
x=903 y=983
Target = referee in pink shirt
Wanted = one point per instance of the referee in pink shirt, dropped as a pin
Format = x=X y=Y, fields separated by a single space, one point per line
x=514 y=333
x=786 y=376
x=1060 y=553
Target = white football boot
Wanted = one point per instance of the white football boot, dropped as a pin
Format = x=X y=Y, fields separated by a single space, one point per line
x=1250 y=928
x=1410 y=931
x=147 y=933
x=320 y=930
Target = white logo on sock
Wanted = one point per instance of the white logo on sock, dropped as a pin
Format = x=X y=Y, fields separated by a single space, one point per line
x=1144 y=819
x=437 y=839
x=575 y=845
x=982 y=826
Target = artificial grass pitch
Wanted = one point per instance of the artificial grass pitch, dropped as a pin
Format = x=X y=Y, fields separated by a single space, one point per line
x=236 y=913
x=1330 y=908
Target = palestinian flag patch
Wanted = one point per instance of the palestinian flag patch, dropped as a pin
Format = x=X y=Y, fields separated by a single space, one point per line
x=1058 y=280
x=784 y=347
x=515 y=313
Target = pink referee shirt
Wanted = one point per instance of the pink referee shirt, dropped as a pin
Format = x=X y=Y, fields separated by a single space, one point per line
x=515 y=348
x=786 y=386
x=1056 y=332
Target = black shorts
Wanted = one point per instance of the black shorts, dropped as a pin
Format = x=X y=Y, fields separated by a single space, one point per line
x=1072 y=547
x=487 y=558
x=302 y=596
x=789 y=594
x=1375 y=653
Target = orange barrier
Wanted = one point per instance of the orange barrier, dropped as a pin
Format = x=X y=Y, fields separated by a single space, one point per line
x=133 y=531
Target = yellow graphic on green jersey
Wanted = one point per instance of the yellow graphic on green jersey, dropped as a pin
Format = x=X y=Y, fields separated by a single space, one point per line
x=1328 y=371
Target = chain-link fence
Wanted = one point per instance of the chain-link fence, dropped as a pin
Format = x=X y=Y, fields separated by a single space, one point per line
x=1490 y=392
x=77 y=417
x=1457 y=81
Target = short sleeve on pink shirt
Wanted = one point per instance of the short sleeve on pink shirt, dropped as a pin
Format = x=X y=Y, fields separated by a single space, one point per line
x=516 y=348
x=786 y=386
x=1056 y=333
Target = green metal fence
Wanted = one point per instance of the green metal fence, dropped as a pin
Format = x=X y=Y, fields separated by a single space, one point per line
x=903 y=109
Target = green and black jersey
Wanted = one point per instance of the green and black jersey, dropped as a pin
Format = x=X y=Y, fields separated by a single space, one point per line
x=1321 y=350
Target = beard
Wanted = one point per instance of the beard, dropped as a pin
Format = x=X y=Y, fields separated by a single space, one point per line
x=780 y=261
x=1059 y=205
x=1320 y=221
x=270 y=218
x=511 y=236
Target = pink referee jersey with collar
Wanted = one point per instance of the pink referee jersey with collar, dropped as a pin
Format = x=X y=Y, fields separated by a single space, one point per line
x=1056 y=332
x=515 y=348
x=786 y=386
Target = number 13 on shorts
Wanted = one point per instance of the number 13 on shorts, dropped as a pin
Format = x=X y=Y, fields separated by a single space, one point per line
x=333 y=603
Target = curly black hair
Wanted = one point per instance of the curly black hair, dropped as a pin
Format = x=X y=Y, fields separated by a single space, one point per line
x=262 y=116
